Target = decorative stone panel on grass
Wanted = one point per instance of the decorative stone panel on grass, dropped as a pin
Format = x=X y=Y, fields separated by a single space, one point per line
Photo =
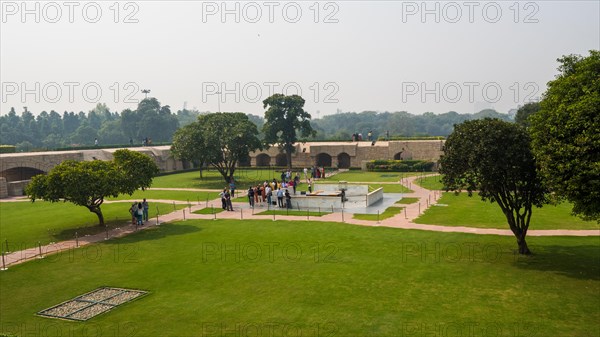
x=91 y=304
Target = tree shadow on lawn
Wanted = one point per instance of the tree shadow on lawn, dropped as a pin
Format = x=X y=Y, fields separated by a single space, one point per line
x=160 y=232
x=581 y=262
x=89 y=229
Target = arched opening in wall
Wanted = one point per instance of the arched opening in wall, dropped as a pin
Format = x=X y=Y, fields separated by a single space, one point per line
x=263 y=159
x=20 y=173
x=323 y=160
x=398 y=156
x=343 y=160
x=281 y=160
x=244 y=161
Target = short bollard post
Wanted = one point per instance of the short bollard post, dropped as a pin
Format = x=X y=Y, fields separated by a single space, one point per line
x=40 y=249
x=307 y=214
x=183 y=214
x=331 y=208
x=198 y=200
x=419 y=208
x=207 y=200
x=3 y=262
x=241 y=214
x=157 y=222
x=6 y=242
x=189 y=206
x=428 y=199
x=174 y=208
x=76 y=240
x=405 y=216
x=377 y=216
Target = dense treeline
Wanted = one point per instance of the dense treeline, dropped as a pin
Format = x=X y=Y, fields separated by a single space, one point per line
x=52 y=130
x=342 y=126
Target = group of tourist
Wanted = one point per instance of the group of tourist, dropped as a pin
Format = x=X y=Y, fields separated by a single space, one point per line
x=226 y=196
x=263 y=193
x=357 y=137
x=139 y=212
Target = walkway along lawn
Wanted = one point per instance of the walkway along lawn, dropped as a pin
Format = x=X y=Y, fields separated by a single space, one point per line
x=344 y=280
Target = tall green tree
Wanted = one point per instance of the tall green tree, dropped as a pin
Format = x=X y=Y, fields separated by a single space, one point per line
x=188 y=144
x=494 y=158
x=566 y=133
x=220 y=139
x=284 y=118
x=87 y=183
x=524 y=112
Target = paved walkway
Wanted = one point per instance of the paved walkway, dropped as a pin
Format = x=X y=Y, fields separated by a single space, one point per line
x=242 y=211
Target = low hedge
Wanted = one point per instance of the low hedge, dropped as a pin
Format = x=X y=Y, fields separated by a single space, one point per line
x=8 y=149
x=400 y=166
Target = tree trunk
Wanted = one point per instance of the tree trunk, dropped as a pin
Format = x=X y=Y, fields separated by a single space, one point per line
x=288 y=155
x=98 y=212
x=523 y=249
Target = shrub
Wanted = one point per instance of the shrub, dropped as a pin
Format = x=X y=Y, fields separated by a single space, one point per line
x=8 y=149
x=399 y=165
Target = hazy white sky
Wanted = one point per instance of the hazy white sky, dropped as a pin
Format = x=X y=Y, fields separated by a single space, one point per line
x=348 y=55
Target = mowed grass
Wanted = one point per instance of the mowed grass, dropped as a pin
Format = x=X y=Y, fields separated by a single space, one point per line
x=362 y=176
x=431 y=182
x=209 y=278
x=213 y=180
x=388 y=213
x=292 y=212
x=23 y=224
x=462 y=210
x=406 y=201
x=192 y=196
x=210 y=210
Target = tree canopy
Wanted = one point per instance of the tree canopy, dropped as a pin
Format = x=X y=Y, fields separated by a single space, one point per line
x=219 y=139
x=494 y=158
x=524 y=112
x=87 y=183
x=284 y=118
x=566 y=133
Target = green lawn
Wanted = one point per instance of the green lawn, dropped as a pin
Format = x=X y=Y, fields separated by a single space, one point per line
x=430 y=183
x=213 y=180
x=192 y=196
x=210 y=210
x=209 y=278
x=390 y=188
x=463 y=210
x=388 y=213
x=406 y=201
x=23 y=224
x=363 y=176
x=293 y=212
